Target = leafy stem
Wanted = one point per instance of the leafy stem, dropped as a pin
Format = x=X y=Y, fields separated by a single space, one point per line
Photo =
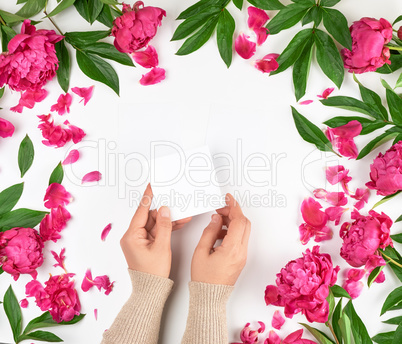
x=332 y=331
x=2 y=21
x=393 y=48
x=117 y=9
x=390 y=259
x=54 y=24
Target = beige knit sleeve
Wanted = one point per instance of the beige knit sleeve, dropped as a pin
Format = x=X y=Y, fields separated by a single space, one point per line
x=139 y=319
x=206 y=322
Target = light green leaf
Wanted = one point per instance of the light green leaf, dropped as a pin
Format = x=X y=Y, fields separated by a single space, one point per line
x=110 y=2
x=13 y=312
x=224 y=35
x=360 y=334
x=61 y=7
x=22 y=217
x=393 y=321
x=46 y=320
x=9 y=197
x=373 y=100
x=386 y=84
x=344 y=324
x=399 y=81
x=386 y=199
x=335 y=321
x=201 y=6
x=42 y=336
x=384 y=338
x=329 y=3
x=378 y=141
x=25 y=155
x=10 y=18
x=81 y=39
x=339 y=291
x=319 y=335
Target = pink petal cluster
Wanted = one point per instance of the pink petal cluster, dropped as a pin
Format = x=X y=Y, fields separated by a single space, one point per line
x=100 y=282
x=342 y=138
x=6 y=128
x=363 y=237
x=53 y=223
x=63 y=104
x=56 y=195
x=386 y=171
x=303 y=286
x=29 y=98
x=59 y=297
x=315 y=222
x=31 y=59
x=244 y=47
x=136 y=27
x=293 y=338
x=21 y=251
x=267 y=64
x=368 y=53
x=84 y=92
x=334 y=198
x=72 y=157
x=256 y=21
x=338 y=174
x=59 y=135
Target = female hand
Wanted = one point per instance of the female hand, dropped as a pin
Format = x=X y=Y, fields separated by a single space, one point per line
x=222 y=264
x=146 y=244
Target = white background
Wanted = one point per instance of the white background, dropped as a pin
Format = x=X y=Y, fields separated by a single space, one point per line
x=201 y=101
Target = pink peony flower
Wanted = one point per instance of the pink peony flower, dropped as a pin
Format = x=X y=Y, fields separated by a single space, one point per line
x=154 y=76
x=147 y=58
x=59 y=297
x=342 y=138
x=100 y=282
x=57 y=195
x=31 y=59
x=363 y=237
x=20 y=251
x=6 y=128
x=303 y=286
x=244 y=47
x=53 y=223
x=84 y=92
x=249 y=336
x=326 y=93
x=267 y=64
x=136 y=27
x=386 y=171
x=63 y=104
x=338 y=174
x=368 y=53
x=72 y=157
x=93 y=176
x=29 y=98
x=277 y=320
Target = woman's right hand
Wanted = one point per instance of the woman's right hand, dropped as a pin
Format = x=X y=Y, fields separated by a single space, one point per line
x=222 y=264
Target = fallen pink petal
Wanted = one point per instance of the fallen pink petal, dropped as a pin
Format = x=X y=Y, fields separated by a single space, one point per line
x=354 y=288
x=342 y=138
x=335 y=214
x=93 y=176
x=101 y=282
x=244 y=47
x=52 y=224
x=6 y=128
x=262 y=327
x=59 y=258
x=56 y=195
x=326 y=93
x=29 y=98
x=84 y=92
x=306 y=102
x=147 y=58
x=106 y=232
x=153 y=77
x=273 y=338
x=278 y=320
x=77 y=134
x=24 y=303
x=63 y=104
x=96 y=313
x=362 y=196
x=267 y=64
x=72 y=157
x=256 y=18
x=338 y=174
x=262 y=35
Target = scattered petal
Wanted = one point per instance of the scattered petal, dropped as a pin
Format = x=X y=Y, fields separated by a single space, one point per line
x=56 y=195
x=77 y=134
x=312 y=214
x=267 y=64
x=306 y=102
x=362 y=196
x=334 y=198
x=100 y=282
x=353 y=288
x=147 y=58
x=6 y=128
x=293 y=337
x=273 y=338
x=326 y=93
x=262 y=327
x=96 y=313
x=84 y=92
x=106 y=231
x=72 y=157
x=342 y=138
x=278 y=320
x=262 y=35
x=52 y=224
x=271 y=294
x=244 y=47
x=338 y=174
x=63 y=104
x=154 y=76
x=24 y=303
x=93 y=176
x=59 y=258
x=256 y=18
x=29 y=98
x=335 y=214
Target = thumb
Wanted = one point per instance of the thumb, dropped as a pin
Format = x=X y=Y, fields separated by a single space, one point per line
x=163 y=226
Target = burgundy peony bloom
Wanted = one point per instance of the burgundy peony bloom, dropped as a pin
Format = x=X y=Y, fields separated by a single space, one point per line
x=59 y=297
x=20 y=251
x=303 y=286
x=400 y=33
x=386 y=171
x=136 y=27
x=31 y=59
x=363 y=237
x=368 y=53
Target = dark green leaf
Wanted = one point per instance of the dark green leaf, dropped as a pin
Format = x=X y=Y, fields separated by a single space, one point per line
x=109 y=51
x=373 y=100
x=286 y=18
x=386 y=199
x=224 y=36
x=335 y=321
x=25 y=155
x=9 y=197
x=267 y=4
x=310 y=132
x=313 y=14
x=337 y=25
x=399 y=219
x=2 y=91
x=201 y=6
x=46 y=320
x=195 y=22
x=319 y=335
x=197 y=40
x=378 y=141
x=359 y=330
x=396 y=63
x=7 y=34
x=41 y=335
x=13 y=312
x=391 y=252
x=329 y=3
x=238 y=4
x=63 y=72
x=397 y=237
x=393 y=321
x=292 y=52
x=22 y=217
x=110 y=2
x=10 y=18
x=80 y=39
x=395 y=107
x=31 y=8
x=384 y=338
x=397 y=20
x=61 y=7
x=392 y=299
x=398 y=335
x=397 y=139
x=339 y=291
x=328 y=57
x=1 y=271
x=368 y=125
x=97 y=69
x=106 y=16
x=301 y=70
x=57 y=174
x=373 y=275
x=21 y=1
x=95 y=8
x=82 y=8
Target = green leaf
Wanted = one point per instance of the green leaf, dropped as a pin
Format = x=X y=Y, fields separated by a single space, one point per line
x=201 y=6
x=109 y=51
x=368 y=125
x=61 y=7
x=328 y=57
x=46 y=320
x=89 y=9
x=81 y=39
x=106 y=16
x=41 y=335
x=110 y=2
x=22 y=217
x=397 y=237
x=392 y=299
x=398 y=335
x=393 y=321
x=373 y=275
x=2 y=91
x=344 y=324
x=293 y=50
x=337 y=25
x=310 y=132
x=395 y=107
x=7 y=34
x=399 y=81
x=267 y=4
x=378 y=141
x=331 y=304
x=335 y=321
x=57 y=174
x=399 y=219
x=384 y=338
x=397 y=139
x=224 y=36
x=9 y=197
x=373 y=100
x=195 y=22
x=31 y=8
x=359 y=330
x=386 y=84
x=392 y=253
x=63 y=72
x=397 y=20
x=301 y=70
x=396 y=63
x=313 y=14
x=238 y=4
x=13 y=312
x=319 y=335
x=10 y=18
x=287 y=17
x=197 y=40
x=386 y=198
x=329 y=3
x=339 y=291
x=97 y=69
x=25 y=155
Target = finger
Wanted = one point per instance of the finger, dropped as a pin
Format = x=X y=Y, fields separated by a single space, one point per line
x=140 y=217
x=246 y=235
x=211 y=234
x=231 y=211
x=163 y=227
x=180 y=223
x=236 y=231
x=151 y=220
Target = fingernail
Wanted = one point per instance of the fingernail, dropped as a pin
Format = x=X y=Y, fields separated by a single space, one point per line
x=215 y=218
x=165 y=212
